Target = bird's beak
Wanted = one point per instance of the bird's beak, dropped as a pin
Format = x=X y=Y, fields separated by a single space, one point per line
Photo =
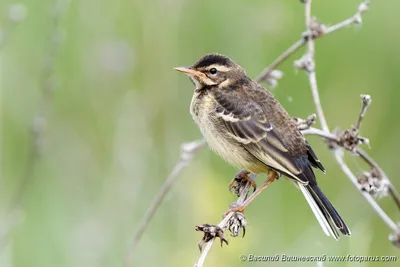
x=190 y=72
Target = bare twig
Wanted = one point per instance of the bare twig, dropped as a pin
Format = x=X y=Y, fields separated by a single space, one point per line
x=315 y=131
x=366 y=101
x=303 y=125
x=394 y=194
x=314 y=89
x=392 y=190
x=13 y=218
x=307 y=62
x=39 y=120
x=223 y=225
x=339 y=158
x=364 y=155
x=16 y=13
x=188 y=151
x=323 y=31
x=267 y=71
x=356 y=19
x=48 y=86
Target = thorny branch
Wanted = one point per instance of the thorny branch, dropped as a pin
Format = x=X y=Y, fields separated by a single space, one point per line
x=348 y=139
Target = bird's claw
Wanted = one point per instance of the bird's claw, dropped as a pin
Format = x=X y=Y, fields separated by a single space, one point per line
x=235 y=223
x=239 y=182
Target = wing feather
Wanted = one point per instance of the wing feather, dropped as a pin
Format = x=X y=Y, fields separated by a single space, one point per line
x=249 y=125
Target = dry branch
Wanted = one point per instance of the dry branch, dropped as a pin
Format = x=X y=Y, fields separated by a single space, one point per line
x=39 y=120
x=224 y=224
x=15 y=15
x=348 y=139
x=188 y=151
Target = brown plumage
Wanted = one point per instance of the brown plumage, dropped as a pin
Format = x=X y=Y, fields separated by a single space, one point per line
x=250 y=129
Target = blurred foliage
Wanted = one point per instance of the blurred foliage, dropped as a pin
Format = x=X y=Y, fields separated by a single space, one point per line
x=118 y=114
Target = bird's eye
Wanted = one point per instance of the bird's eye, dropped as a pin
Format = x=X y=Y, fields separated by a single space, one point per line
x=213 y=70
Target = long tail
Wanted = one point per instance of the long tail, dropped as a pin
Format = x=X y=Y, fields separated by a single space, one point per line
x=326 y=214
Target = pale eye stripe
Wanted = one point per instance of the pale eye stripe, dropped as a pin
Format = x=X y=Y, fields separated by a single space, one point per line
x=219 y=67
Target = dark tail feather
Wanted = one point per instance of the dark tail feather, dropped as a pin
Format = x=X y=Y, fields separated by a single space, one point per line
x=327 y=209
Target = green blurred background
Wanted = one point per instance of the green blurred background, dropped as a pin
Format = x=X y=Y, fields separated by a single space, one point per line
x=118 y=113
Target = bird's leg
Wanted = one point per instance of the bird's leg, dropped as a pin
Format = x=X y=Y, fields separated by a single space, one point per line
x=241 y=178
x=272 y=175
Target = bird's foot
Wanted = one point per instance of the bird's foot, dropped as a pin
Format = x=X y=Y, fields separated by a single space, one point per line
x=239 y=181
x=236 y=222
x=210 y=232
x=272 y=176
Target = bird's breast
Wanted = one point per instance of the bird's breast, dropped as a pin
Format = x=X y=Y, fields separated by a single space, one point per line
x=203 y=112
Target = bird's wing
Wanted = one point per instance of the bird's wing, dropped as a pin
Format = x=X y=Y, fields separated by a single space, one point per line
x=248 y=124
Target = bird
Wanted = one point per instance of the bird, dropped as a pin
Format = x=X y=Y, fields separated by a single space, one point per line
x=248 y=127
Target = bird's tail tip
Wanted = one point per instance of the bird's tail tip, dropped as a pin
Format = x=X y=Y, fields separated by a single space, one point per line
x=326 y=214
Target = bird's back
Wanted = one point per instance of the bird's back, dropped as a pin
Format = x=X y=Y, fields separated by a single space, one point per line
x=252 y=93
x=283 y=124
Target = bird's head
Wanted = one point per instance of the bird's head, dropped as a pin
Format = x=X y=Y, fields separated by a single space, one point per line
x=213 y=70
